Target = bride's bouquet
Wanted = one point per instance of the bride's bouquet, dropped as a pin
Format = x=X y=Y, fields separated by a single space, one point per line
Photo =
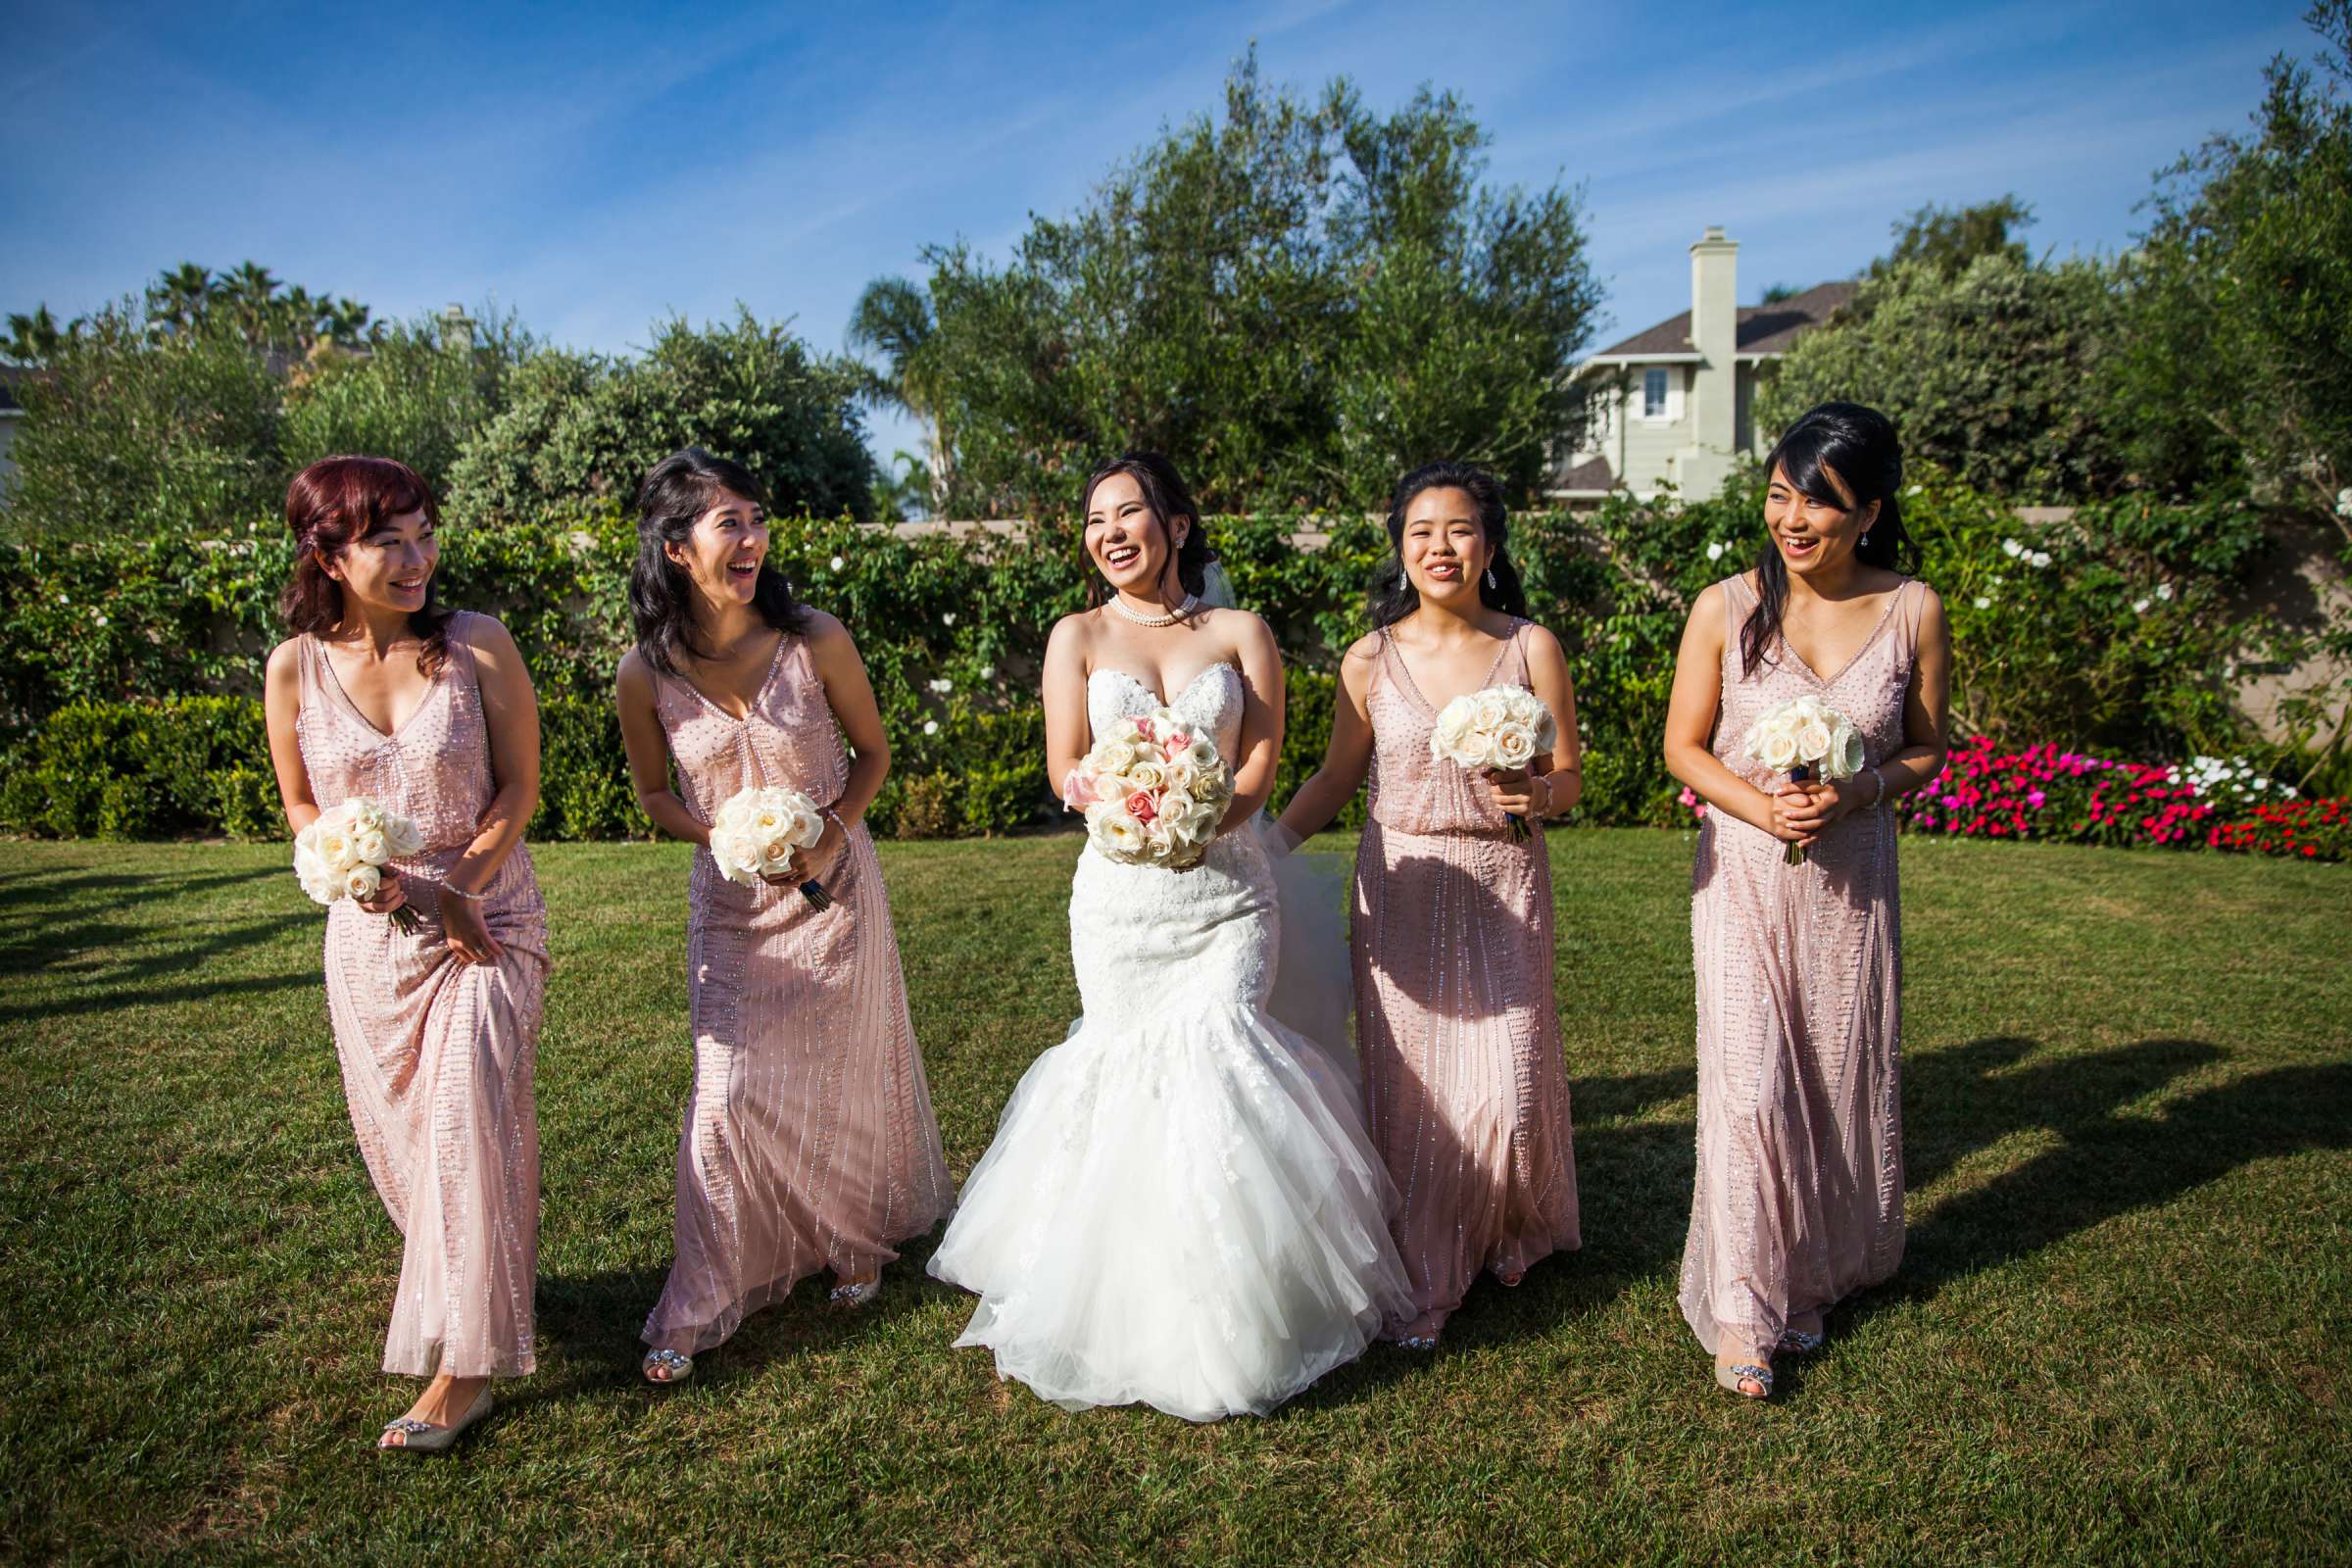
x=756 y=831
x=1500 y=726
x=1806 y=739
x=1153 y=789
x=343 y=853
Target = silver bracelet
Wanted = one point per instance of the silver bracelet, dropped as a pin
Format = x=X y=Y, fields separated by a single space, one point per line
x=1878 y=778
x=456 y=891
x=835 y=817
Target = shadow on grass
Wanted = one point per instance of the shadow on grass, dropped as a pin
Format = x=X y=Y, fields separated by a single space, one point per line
x=1635 y=1180
x=2107 y=1162
x=597 y=1318
x=29 y=895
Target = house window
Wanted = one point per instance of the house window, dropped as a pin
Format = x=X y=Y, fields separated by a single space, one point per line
x=1654 y=393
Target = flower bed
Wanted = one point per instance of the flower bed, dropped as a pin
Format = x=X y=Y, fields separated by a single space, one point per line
x=2044 y=793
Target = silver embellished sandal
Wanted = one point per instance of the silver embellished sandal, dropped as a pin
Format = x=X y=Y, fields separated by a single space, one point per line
x=423 y=1437
x=855 y=1293
x=666 y=1366
x=1732 y=1377
x=1796 y=1342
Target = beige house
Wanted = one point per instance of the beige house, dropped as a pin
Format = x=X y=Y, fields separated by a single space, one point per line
x=1677 y=405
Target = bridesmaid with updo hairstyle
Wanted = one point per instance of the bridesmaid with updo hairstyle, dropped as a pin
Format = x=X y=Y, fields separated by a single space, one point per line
x=381 y=692
x=809 y=1140
x=1465 y=1088
x=1798 y=1200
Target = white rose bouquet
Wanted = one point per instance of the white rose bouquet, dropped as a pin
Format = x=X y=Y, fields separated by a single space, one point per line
x=343 y=853
x=1806 y=739
x=756 y=831
x=1500 y=726
x=1153 y=789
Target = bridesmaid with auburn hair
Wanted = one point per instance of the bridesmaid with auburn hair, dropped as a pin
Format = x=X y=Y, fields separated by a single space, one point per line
x=1798 y=1200
x=809 y=1140
x=383 y=693
x=1465 y=1088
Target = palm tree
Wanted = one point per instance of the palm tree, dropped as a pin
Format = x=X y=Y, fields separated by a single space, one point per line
x=892 y=319
x=250 y=290
x=178 y=299
x=35 y=339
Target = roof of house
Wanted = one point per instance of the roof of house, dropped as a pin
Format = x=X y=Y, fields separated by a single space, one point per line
x=11 y=378
x=1763 y=329
x=1588 y=478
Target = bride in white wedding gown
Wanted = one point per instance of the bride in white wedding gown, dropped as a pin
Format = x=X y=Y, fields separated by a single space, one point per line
x=1181 y=1207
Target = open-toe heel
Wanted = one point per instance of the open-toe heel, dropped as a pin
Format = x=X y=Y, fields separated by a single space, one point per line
x=666 y=1367
x=1732 y=1377
x=855 y=1292
x=423 y=1437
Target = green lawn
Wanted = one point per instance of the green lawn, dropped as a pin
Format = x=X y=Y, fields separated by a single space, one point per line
x=2121 y=1331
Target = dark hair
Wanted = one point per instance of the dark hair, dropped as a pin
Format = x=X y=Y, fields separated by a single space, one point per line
x=670 y=500
x=1831 y=442
x=1168 y=499
x=334 y=502
x=1393 y=597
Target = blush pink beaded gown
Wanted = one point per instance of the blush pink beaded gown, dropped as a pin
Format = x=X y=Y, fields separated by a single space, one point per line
x=437 y=1054
x=808 y=1139
x=1464 y=1085
x=1799 y=1191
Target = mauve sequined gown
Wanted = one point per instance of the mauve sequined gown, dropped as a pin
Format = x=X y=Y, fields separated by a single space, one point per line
x=808 y=1138
x=1465 y=1089
x=437 y=1054
x=1799 y=1191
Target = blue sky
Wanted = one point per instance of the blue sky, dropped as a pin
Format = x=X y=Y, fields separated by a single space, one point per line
x=597 y=166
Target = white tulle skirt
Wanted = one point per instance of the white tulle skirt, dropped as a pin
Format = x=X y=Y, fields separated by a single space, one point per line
x=1181 y=1207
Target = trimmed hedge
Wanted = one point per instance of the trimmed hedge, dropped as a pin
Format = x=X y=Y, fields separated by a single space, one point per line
x=2122 y=637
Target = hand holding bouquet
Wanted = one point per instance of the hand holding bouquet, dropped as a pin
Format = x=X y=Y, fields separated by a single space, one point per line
x=1153 y=789
x=343 y=854
x=1503 y=727
x=1808 y=740
x=757 y=832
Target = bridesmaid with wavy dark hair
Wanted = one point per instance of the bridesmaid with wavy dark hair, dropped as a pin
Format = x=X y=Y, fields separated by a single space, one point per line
x=381 y=692
x=1798 y=1200
x=808 y=1142
x=1465 y=1086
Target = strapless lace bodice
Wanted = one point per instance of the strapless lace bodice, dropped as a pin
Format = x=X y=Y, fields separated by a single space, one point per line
x=1211 y=701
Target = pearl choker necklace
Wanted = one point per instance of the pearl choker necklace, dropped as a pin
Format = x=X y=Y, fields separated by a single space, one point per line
x=1170 y=620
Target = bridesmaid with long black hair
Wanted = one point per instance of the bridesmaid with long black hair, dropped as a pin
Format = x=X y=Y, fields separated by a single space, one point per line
x=1798 y=1200
x=382 y=692
x=809 y=1140
x=1465 y=1088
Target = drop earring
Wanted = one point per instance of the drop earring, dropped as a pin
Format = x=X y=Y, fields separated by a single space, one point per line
x=1489 y=576
x=1865 y=544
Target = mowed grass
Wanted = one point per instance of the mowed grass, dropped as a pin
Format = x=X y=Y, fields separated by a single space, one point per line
x=2120 y=1331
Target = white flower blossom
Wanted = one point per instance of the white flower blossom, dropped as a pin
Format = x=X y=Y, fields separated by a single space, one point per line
x=99 y=617
x=2164 y=590
x=2041 y=559
x=930 y=726
x=2139 y=606
x=1915 y=490
x=1715 y=551
x=837 y=563
x=943 y=687
x=948 y=619
x=2344 y=502
x=2011 y=549
x=1983 y=602
x=988 y=673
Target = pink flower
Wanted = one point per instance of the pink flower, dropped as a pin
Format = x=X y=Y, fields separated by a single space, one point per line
x=1076 y=794
x=1143 y=805
x=1143 y=727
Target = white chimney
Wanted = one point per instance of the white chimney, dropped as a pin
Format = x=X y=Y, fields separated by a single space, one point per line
x=1714 y=380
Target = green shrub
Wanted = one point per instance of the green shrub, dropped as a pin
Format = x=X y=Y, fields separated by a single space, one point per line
x=2125 y=641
